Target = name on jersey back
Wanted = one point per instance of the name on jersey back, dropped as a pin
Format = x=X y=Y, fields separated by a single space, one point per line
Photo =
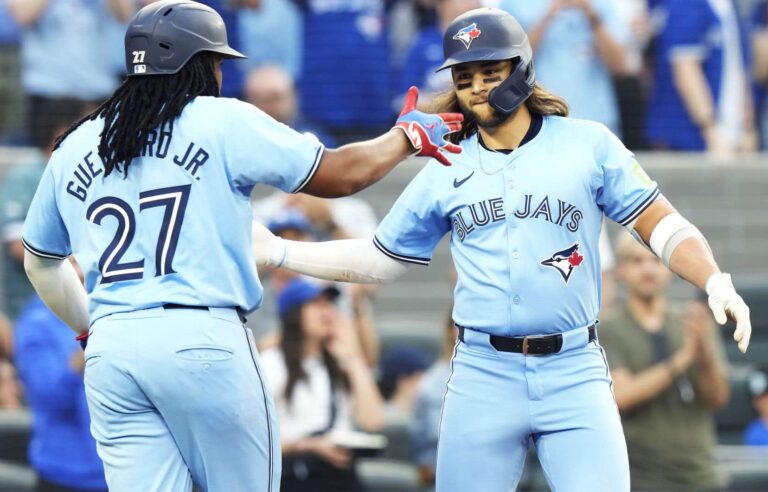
x=91 y=165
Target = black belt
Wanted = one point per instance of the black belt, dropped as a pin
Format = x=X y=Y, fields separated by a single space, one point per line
x=531 y=345
x=171 y=305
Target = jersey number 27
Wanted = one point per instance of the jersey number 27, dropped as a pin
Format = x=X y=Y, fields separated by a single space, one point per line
x=173 y=199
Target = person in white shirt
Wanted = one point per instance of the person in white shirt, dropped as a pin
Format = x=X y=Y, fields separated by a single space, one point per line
x=323 y=387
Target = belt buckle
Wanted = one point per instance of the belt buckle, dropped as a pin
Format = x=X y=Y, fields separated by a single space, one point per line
x=525 y=345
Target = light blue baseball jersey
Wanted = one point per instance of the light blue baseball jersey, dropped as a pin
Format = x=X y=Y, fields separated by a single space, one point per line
x=524 y=226
x=177 y=229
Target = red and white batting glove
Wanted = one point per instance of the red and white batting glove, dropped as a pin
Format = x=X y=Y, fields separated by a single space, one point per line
x=726 y=303
x=427 y=132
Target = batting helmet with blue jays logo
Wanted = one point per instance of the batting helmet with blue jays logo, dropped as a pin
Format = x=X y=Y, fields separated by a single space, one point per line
x=489 y=34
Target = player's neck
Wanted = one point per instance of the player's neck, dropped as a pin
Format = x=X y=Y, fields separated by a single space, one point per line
x=649 y=312
x=509 y=134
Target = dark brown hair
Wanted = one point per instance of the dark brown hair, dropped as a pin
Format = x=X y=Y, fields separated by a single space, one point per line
x=292 y=346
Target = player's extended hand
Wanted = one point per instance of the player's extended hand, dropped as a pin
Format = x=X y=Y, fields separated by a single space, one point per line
x=726 y=303
x=427 y=132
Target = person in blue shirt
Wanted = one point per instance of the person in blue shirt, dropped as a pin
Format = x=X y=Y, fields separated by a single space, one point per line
x=523 y=206
x=346 y=58
x=50 y=365
x=701 y=93
x=579 y=45
x=150 y=192
x=65 y=52
x=756 y=433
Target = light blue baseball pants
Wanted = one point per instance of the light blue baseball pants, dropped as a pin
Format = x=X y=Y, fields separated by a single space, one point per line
x=177 y=397
x=497 y=401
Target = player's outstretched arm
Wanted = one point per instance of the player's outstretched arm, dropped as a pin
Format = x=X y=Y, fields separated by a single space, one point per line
x=59 y=286
x=351 y=168
x=685 y=251
x=349 y=260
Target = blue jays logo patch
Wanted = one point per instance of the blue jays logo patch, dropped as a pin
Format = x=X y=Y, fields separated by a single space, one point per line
x=564 y=261
x=468 y=34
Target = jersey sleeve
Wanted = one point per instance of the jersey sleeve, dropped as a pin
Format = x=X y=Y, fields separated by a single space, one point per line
x=415 y=224
x=625 y=190
x=44 y=233
x=261 y=150
x=685 y=29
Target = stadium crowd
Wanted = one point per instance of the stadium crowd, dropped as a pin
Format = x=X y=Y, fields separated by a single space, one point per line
x=671 y=75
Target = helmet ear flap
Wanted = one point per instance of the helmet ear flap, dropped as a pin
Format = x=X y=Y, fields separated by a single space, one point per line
x=512 y=92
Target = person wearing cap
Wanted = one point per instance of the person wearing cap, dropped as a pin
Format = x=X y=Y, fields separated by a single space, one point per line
x=322 y=386
x=150 y=192
x=523 y=205
x=756 y=433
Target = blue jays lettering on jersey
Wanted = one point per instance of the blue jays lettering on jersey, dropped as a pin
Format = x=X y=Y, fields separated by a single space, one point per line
x=130 y=235
x=524 y=225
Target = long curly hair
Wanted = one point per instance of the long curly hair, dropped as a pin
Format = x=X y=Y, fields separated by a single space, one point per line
x=144 y=104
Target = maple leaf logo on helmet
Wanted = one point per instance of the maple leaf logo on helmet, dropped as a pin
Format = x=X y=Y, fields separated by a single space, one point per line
x=468 y=34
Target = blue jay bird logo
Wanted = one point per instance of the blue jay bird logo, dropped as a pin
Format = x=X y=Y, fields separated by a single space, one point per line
x=564 y=261
x=468 y=34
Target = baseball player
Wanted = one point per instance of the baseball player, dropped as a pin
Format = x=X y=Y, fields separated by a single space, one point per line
x=151 y=194
x=523 y=205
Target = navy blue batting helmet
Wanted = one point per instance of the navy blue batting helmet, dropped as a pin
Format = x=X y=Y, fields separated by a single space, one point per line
x=489 y=34
x=165 y=35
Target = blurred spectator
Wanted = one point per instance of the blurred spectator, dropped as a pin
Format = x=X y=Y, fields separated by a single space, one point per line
x=345 y=82
x=401 y=369
x=10 y=395
x=577 y=46
x=407 y=18
x=322 y=386
x=17 y=192
x=701 y=95
x=760 y=48
x=425 y=54
x=669 y=375
x=271 y=89
x=756 y=433
x=64 y=53
x=11 y=95
x=272 y=34
x=428 y=407
x=51 y=364
x=631 y=88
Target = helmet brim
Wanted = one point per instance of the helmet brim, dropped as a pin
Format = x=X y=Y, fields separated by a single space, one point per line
x=228 y=52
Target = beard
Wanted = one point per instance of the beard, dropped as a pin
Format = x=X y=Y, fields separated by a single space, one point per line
x=490 y=121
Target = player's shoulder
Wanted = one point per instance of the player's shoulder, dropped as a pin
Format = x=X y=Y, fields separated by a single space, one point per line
x=578 y=127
